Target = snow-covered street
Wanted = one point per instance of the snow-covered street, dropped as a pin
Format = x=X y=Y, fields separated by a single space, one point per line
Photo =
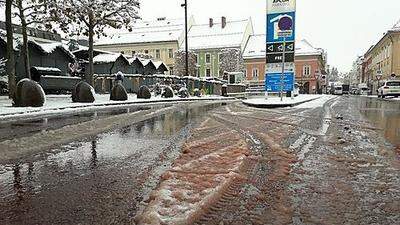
x=210 y=162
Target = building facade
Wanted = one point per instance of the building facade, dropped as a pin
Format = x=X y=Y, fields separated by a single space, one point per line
x=384 y=58
x=160 y=39
x=310 y=64
x=209 y=42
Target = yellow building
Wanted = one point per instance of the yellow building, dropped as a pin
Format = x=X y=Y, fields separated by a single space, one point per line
x=160 y=39
x=383 y=59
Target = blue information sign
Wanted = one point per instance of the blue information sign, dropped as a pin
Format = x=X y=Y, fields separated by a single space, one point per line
x=273 y=82
x=273 y=27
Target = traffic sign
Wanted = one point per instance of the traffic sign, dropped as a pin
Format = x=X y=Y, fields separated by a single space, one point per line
x=277 y=68
x=278 y=47
x=278 y=57
x=273 y=82
x=273 y=29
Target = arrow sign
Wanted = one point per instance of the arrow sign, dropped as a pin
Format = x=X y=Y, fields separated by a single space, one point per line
x=290 y=47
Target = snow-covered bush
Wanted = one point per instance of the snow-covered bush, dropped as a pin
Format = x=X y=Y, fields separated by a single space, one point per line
x=180 y=63
x=2 y=66
x=231 y=61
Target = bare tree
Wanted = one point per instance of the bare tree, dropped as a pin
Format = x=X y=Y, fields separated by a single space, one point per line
x=91 y=17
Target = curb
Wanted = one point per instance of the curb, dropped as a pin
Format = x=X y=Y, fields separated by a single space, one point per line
x=49 y=111
x=283 y=105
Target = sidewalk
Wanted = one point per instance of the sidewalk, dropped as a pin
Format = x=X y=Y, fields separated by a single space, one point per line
x=60 y=104
x=275 y=102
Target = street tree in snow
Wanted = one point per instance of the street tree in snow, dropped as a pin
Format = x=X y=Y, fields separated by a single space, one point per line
x=92 y=17
x=10 y=63
x=31 y=13
x=231 y=61
x=180 y=63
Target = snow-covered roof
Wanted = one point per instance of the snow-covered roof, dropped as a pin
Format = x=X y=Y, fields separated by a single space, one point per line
x=304 y=48
x=108 y=58
x=158 y=64
x=396 y=27
x=49 y=48
x=49 y=69
x=147 y=31
x=256 y=45
x=203 y=36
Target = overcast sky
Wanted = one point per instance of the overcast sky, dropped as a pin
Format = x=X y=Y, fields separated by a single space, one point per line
x=345 y=28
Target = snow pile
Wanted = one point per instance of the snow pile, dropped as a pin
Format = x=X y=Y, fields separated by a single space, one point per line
x=276 y=101
x=198 y=179
x=318 y=103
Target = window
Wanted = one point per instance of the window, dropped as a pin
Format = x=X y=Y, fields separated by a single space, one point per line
x=158 y=55
x=171 y=70
x=197 y=59
x=307 y=70
x=170 y=53
x=208 y=72
x=133 y=53
x=146 y=51
x=220 y=58
x=208 y=58
x=255 y=73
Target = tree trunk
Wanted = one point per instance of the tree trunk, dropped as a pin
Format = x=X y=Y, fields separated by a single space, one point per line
x=89 y=76
x=25 y=50
x=10 y=71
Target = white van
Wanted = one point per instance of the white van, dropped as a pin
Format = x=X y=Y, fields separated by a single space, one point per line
x=338 y=89
x=389 y=88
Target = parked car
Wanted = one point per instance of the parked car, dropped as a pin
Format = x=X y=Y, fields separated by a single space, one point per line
x=389 y=88
x=363 y=89
x=345 y=89
x=354 y=91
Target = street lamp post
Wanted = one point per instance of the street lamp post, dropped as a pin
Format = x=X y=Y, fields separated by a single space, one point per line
x=186 y=39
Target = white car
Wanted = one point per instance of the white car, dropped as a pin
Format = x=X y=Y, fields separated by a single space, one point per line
x=389 y=88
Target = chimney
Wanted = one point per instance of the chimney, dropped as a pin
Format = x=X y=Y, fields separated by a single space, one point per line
x=223 y=22
x=211 y=22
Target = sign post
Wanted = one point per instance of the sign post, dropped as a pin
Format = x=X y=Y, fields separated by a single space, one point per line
x=280 y=46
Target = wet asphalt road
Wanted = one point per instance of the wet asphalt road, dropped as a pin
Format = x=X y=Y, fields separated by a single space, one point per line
x=345 y=174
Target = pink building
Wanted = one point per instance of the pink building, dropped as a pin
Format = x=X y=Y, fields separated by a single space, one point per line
x=310 y=64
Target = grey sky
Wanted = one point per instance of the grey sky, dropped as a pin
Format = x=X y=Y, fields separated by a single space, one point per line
x=345 y=28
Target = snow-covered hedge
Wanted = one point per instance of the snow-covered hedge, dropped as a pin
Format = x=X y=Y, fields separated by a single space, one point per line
x=2 y=66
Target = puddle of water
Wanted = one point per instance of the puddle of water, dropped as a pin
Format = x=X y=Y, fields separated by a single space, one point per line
x=28 y=127
x=385 y=115
x=120 y=157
